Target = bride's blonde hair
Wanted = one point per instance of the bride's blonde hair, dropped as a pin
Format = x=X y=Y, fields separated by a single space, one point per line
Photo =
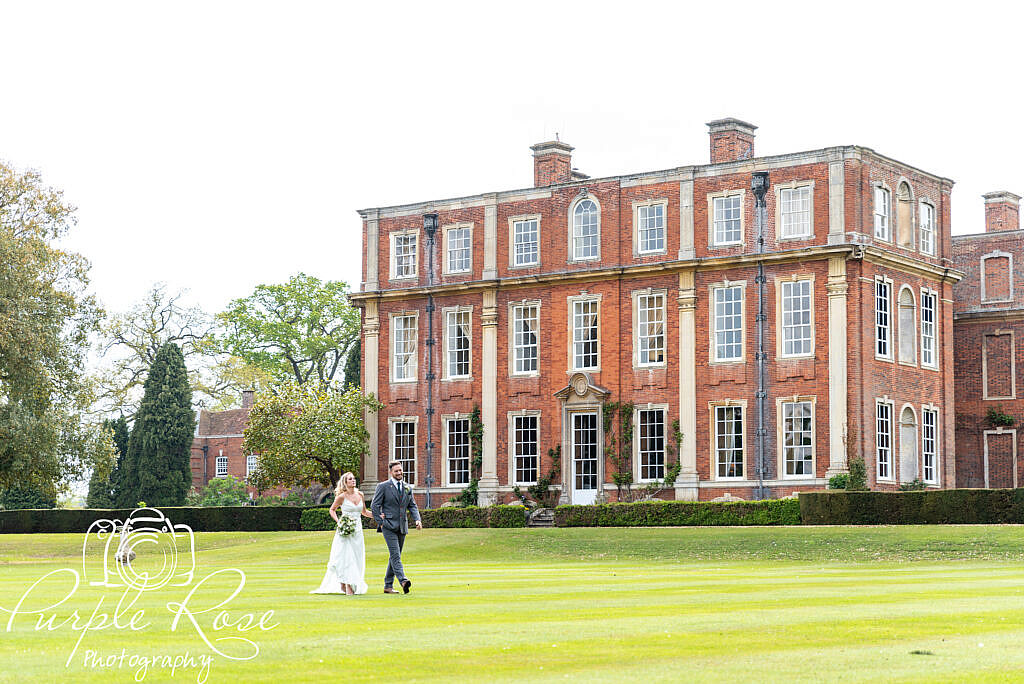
x=341 y=488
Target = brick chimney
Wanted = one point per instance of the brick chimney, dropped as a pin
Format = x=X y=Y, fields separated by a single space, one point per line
x=1002 y=211
x=731 y=140
x=552 y=163
x=247 y=398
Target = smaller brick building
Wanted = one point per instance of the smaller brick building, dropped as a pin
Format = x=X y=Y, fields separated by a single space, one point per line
x=988 y=324
x=217 y=445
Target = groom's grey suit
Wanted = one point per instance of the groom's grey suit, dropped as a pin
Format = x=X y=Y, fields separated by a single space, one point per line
x=390 y=508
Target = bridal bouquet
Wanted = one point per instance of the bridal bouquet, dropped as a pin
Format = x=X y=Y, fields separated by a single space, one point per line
x=346 y=526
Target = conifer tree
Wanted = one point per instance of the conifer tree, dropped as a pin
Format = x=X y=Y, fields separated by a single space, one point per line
x=157 y=468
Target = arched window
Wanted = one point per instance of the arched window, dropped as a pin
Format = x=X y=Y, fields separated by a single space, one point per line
x=908 y=332
x=586 y=230
x=908 y=445
x=904 y=216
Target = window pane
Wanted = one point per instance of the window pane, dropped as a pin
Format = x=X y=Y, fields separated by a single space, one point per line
x=727 y=227
x=883 y=210
x=882 y=318
x=928 y=302
x=458 y=249
x=651 y=329
x=652 y=444
x=585 y=334
x=929 y=444
x=405 y=347
x=585 y=230
x=525 y=238
x=729 y=440
x=928 y=229
x=883 y=443
x=458 y=451
x=458 y=343
x=796 y=211
x=525 y=428
x=728 y=323
x=796 y=318
x=797 y=436
x=405 y=449
x=524 y=342
x=651 y=228
x=405 y=256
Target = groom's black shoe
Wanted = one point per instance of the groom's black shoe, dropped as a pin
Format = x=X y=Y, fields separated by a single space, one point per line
x=389 y=590
x=406 y=586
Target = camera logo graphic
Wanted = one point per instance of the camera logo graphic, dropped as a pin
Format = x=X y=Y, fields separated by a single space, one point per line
x=144 y=552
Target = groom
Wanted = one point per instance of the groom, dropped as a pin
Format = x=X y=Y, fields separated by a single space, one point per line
x=390 y=504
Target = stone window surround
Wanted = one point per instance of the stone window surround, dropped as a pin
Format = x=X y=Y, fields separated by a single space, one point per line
x=394 y=259
x=795 y=277
x=635 y=297
x=874 y=212
x=998 y=253
x=571 y=253
x=415 y=420
x=571 y=301
x=512 y=338
x=445 y=260
x=512 y=415
x=667 y=428
x=780 y=441
x=874 y=311
x=391 y=347
x=713 y=434
x=637 y=252
x=512 y=220
x=984 y=364
x=1000 y=431
x=221 y=461
x=921 y=203
x=712 y=348
x=792 y=185
x=938 y=449
x=742 y=192
x=892 y=430
x=445 y=377
x=935 y=325
x=444 y=449
x=914 y=326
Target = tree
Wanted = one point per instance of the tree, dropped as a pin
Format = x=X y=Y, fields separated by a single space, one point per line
x=46 y=316
x=104 y=483
x=157 y=469
x=222 y=491
x=131 y=341
x=305 y=434
x=353 y=366
x=299 y=331
x=22 y=497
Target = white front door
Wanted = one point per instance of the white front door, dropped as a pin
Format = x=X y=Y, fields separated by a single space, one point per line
x=584 y=458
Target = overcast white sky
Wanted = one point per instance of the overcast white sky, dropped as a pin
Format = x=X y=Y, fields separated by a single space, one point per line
x=218 y=145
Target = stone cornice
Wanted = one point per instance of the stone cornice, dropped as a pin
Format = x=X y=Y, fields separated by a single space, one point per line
x=994 y=316
x=825 y=154
x=899 y=262
x=610 y=273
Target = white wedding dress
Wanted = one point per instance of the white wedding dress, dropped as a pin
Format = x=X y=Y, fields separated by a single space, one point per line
x=348 y=557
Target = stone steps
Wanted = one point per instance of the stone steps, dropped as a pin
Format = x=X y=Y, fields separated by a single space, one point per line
x=542 y=517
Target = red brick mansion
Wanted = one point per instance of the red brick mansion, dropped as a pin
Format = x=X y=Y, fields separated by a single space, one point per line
x=787 y=313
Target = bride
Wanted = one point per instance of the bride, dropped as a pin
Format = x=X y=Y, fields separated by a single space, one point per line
x=346 y=570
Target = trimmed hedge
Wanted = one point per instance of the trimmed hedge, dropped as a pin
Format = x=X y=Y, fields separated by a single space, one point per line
x=208 y=519
x=949 y=506
x=680 y=513
x=471 y=516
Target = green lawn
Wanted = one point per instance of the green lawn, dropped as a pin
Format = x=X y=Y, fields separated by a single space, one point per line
x=693 y=604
